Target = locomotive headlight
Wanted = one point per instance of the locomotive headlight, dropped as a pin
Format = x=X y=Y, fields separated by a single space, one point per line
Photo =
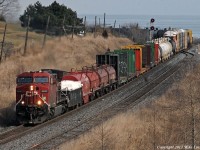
x=31 y=88
x=22 y=102
x=39 y=102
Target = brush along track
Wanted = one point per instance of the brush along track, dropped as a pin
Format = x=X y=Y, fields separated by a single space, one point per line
x=130 y=101
x=79 y=117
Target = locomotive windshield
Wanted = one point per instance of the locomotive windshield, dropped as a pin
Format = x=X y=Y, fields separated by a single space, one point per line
x=24 y=80
x=41 y=80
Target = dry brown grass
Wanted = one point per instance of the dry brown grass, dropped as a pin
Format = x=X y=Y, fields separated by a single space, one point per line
x=165 y=122
x=16 y=35
x=64 y=53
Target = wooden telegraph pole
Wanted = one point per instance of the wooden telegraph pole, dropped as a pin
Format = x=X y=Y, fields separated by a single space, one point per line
x=114 y=24
x=95 y=26
x=47 y=25
x=73 y=29
x=104 y=21
x=26 y=40
x=99 y=22
x=119 y=30
x=114 y=27
x=85 y=26
x=63 y=26
x=2 y=45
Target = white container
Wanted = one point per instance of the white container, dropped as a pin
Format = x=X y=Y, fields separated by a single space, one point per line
x=68 y=85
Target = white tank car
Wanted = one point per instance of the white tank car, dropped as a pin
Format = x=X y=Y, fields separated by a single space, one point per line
x=173 y=35
x=165 y=49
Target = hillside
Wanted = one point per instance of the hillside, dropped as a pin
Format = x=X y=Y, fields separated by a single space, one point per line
x=16 y=34
x=60 y=53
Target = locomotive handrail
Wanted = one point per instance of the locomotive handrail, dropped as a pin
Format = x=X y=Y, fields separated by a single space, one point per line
x=19 y=100
x=66 y=96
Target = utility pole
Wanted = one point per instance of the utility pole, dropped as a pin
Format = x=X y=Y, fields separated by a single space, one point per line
x=104 y=21
x=114 y=27
x=73 y=29
x=2 y=45
x=47 y=25
x=99 y=22
x=63 y=25
x=119 y=30
x=26 y=40
x=85 y=26
x=95 y=25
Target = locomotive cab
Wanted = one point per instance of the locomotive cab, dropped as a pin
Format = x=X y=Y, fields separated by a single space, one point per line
x=34 y=96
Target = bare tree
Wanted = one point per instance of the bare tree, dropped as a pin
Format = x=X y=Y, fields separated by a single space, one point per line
x=8 y=8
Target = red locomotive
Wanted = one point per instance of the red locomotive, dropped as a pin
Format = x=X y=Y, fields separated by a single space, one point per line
x=40 y=96
x=44 y=94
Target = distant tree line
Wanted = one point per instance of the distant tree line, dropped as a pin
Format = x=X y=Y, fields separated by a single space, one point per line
x=59 y=15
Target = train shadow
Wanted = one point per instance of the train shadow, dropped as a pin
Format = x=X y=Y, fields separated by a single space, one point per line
x=7 y=116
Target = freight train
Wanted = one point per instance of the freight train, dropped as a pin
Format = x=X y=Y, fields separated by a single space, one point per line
x=44 y=94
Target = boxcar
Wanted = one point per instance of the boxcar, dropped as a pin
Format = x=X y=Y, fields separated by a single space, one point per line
x=127 y=62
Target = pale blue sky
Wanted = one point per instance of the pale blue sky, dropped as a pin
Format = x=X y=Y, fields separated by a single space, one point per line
x=124 y=7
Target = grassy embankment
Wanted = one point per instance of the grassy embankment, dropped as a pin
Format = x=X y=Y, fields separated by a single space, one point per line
x=165 y=121
x=60 y=53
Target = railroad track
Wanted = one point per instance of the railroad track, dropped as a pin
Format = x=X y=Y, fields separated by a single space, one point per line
x=130 y=101
x=75 y=130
